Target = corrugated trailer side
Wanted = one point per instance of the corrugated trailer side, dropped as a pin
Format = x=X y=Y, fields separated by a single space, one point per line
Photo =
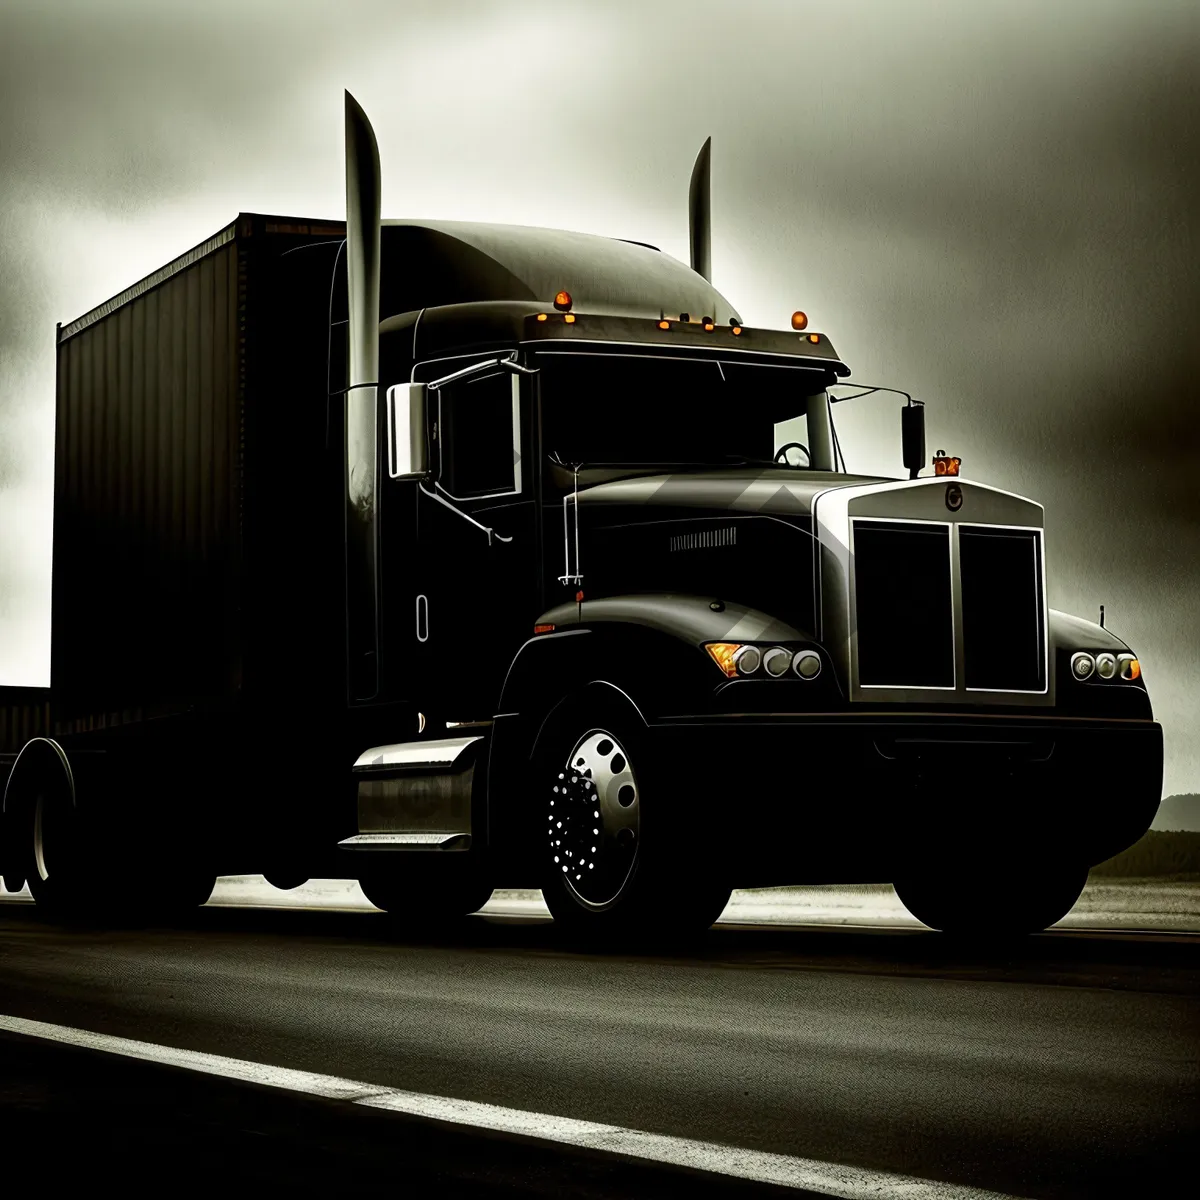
x=147 y=494
x=197 y=540
x=24 y=714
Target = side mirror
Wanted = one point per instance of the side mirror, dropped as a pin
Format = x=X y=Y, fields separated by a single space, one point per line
x=406 y=431
x=912 y=436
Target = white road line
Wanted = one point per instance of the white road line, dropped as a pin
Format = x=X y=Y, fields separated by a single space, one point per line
x=825 y=1178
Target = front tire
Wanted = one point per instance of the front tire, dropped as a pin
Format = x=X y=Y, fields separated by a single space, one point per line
x=966 y=901
x=624 y=850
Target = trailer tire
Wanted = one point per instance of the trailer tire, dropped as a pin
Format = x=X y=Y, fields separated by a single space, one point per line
x=611 y=866
x=44 y=824
x=985 y=902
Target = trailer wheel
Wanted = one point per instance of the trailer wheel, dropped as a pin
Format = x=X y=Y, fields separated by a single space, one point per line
x=45 y=824
x=623 y=845
x=985 y=902
x=422 y=893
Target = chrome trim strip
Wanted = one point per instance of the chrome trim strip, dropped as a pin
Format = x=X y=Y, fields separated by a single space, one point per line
x=435 y=752
x=368 y=841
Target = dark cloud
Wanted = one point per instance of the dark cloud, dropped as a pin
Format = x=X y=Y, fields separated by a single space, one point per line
x=992 y=205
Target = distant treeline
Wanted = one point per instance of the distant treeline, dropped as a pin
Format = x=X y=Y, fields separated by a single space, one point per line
x=1157 y=853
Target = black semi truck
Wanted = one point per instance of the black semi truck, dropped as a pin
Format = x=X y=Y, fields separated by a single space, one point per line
x=552 y=577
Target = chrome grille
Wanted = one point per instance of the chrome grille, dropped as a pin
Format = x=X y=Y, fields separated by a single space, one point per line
x=914 y=621
x=1003 y=635
x=905 y=617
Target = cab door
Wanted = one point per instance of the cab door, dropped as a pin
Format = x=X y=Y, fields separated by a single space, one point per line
x=475 y=597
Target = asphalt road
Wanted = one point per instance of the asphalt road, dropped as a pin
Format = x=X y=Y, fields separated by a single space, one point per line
x=1064 y=1065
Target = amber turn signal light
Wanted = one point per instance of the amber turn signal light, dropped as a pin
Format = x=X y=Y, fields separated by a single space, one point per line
x=945 y=464
x=723 y=654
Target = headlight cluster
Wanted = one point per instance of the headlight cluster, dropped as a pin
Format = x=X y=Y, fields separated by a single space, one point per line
x=1105 y=666
x=777 y=662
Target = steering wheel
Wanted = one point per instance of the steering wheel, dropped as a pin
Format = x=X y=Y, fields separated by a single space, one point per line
x=781 y=454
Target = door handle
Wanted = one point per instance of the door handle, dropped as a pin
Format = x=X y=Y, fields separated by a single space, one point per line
x=422 y=618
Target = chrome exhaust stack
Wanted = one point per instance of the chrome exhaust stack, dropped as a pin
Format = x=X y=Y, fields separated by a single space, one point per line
x=700 y=214
x=362 y=393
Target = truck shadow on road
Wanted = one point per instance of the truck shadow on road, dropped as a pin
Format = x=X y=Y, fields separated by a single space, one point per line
x=1116 y=959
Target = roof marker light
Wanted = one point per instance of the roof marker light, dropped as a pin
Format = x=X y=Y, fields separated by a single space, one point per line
x=563 y=301
x=814 y=338
x=708 y=324
x=945 y=464
x=542 y=317
x=734 y=328
x=569 y=318
x=799 y=321
x=664 y=324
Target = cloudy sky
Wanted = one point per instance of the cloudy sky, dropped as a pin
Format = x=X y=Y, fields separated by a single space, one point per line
x=991 y=205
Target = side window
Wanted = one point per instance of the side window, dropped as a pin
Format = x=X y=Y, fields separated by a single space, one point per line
x=795 y=429
x=479 y=436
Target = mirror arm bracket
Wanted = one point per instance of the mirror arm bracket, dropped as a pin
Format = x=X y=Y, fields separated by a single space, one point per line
x=491 y=533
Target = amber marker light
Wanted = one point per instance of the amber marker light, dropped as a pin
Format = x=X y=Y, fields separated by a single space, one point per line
x=664 y=324
x=1130 y=668
x=709 y=326
x=723 y=654
x=814 y=338
x=735 y=330
x=569 y=318
x=543 y=629
x=945 y=464
x=799 y=321
x=562 y=301
x=542 y=317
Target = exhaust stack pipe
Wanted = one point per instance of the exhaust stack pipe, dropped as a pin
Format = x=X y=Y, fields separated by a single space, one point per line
x=362 y=273
x=700 y=214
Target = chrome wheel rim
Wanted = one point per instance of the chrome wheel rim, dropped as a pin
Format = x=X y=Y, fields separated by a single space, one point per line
x=595 y=819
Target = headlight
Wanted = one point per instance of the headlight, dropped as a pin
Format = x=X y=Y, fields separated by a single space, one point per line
x=807 y=664
x=1105 y=666
x=747 y=660
x=777 y=660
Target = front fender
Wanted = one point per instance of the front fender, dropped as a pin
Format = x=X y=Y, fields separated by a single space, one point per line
x=658 y=669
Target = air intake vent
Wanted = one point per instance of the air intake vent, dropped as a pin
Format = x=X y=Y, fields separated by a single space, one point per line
x=706 y=539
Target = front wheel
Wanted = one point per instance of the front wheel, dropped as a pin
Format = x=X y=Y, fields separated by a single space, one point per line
x=624 y=836
x=968 y=900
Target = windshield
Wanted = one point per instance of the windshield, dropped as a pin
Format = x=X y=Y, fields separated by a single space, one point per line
x=633 y=409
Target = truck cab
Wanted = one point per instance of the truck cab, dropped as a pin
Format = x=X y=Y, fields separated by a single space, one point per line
x=451 y=556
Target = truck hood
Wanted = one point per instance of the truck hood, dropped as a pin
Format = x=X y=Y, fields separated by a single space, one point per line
x=769 y=490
